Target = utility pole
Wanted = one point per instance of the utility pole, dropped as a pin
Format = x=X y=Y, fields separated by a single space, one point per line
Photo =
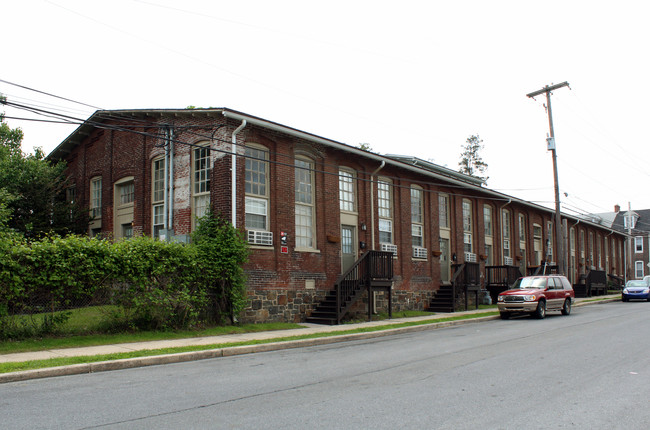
x=561 y=262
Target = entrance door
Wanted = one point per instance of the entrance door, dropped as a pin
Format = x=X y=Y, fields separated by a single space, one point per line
x=445 y=263
x=348 y=247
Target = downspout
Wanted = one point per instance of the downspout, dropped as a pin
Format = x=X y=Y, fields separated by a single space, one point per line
x=234 y=172
x=372 y=205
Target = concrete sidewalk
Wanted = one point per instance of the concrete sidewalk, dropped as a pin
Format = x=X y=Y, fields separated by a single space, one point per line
x=230 y=339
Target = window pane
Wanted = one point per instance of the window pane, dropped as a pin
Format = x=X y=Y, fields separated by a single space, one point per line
x=127 y=193
x=487 y=220
x=385 y=209
x=443 y=203
x=159 y=180
x=96 y=198
x=256 y=171
x=256 y=213
x=202 y=170
x=416 y=205
x=346 y=191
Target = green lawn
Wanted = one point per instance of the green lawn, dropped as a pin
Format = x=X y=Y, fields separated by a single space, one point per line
x=87 y=327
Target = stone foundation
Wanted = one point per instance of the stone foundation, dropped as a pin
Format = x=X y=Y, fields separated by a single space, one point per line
x=295 y=306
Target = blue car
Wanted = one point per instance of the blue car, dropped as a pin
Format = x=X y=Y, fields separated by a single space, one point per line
x=636 y=290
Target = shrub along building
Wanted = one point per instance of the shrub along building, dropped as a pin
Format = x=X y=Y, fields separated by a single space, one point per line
x=312 y=207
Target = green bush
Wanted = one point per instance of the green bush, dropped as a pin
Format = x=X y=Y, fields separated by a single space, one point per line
x=155 y=284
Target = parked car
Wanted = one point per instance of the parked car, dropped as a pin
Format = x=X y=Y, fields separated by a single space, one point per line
x=536 y=295
x=636 y=290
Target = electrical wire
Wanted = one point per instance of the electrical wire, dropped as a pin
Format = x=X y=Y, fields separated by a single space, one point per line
x=130 y=122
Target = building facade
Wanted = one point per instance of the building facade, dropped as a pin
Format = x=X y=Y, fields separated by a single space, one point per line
x=310 y=206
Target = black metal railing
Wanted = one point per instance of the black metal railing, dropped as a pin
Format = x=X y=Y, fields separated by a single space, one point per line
x=596 y=282
x=466 y=278
x=373 y=265
x=500 y=278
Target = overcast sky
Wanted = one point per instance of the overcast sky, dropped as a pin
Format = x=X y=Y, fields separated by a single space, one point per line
x=410 y=77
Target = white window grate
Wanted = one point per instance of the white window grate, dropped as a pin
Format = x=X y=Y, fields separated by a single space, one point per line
x=389 y=247
x=419 y=252
x=257 y=237
x=470 y=257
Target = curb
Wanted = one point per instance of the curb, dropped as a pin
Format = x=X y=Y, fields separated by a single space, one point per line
x=130 y=363
x=181 y=357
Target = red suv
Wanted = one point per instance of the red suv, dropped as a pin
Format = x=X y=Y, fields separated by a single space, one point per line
x=537 y=294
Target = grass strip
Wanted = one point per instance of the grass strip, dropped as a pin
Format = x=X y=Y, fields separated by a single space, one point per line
x=65 y=361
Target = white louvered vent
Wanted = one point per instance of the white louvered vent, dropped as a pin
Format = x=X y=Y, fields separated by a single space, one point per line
x=257 y=237
x=419 y=252
x=389 y=247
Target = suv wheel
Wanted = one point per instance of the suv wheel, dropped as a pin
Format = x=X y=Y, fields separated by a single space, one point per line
x=566 y=309
x=540 y=312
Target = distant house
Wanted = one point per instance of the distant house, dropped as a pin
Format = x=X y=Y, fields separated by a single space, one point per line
x=636 y=223
x=311 y=208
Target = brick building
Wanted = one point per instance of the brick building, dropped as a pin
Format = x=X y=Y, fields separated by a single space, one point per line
x=310 y=206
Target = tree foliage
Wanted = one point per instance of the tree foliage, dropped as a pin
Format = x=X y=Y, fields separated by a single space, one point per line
x=151 y=284
x=471 y=162
x=33 y=191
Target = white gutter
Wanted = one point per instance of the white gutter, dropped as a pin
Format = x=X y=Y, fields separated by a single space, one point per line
x=234 y=170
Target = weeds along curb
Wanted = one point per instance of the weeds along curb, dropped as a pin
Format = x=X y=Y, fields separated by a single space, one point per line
x=130 y=363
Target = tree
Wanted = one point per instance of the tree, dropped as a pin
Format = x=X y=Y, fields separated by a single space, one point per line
x=33 y=191
x=365 y=147
x=471 y=162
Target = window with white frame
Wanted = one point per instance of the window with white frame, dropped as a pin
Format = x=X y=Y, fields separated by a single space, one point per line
x=257 y=189
x=347 y=199
x=467 y=226
x=201 y=172
x=443 y=210
x=417 y=217
x=599 y=250
x=488 y=230
x=96 y=197
x=157 y=196
x=591 y=249
x=304 y=177
x=126 y=193
x=638 y=244
x=385 y=207
x=638 y=269
x=487 y=221
x=522 y=228
x=505 y=227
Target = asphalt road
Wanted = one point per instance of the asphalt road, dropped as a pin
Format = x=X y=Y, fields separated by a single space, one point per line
x=590 y=370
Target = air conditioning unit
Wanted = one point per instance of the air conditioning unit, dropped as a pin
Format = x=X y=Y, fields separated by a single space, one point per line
x=258 y=237
x=508 y=261
x=419 y=252
x=389 y=247
x=470 y=257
